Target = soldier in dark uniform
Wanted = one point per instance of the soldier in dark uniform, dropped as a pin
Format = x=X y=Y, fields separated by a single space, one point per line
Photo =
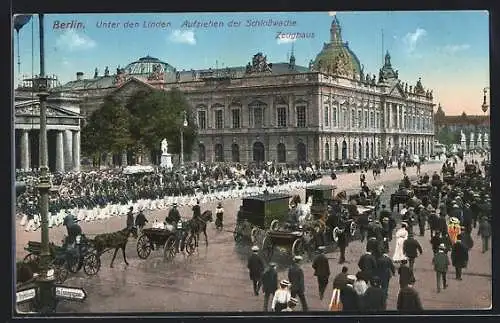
x=130 y=217
x=173 y=215
x=321 y=270
x=342 y=243
x=196 y=210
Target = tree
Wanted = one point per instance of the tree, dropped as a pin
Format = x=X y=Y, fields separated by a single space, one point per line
x=107 y=130
x=158 y=114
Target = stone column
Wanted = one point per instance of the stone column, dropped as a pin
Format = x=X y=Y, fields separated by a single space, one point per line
x=68 y=150
x=403 y=112
x=398 y=121
x=25 y=150
x=76 y=151
x=59 y=152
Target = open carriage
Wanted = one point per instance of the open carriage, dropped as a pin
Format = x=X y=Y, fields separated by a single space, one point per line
x=257 y=215
x=156 y=238
x=65 y=260
x=298 y=242
x=401 y=196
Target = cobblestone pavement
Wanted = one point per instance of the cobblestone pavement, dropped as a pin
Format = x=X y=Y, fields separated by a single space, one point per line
x=216 y=277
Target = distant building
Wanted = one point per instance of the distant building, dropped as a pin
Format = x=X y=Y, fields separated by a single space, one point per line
x=329 y=110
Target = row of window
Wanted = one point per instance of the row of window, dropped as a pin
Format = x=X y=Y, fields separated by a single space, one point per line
x=255 y=118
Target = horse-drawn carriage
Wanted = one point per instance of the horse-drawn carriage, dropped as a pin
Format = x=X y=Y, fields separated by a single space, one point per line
x=156 y=238
x=256 y=215
x=401 y=196
x=422 y=191
x=65 y=259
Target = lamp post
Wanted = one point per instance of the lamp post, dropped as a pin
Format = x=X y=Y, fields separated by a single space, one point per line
x=45 y=280
x=184 y=124
x=485 y=106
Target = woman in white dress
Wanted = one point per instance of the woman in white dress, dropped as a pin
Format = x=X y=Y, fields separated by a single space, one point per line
x=401 y=236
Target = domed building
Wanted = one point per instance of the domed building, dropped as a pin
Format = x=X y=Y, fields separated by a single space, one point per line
x=337 y=58
x=329 y=110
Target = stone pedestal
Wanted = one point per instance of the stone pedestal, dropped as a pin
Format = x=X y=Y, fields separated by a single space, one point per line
x=166 y=161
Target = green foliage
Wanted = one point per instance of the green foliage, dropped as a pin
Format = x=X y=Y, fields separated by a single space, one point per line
x=141 y=123
x=448 y=137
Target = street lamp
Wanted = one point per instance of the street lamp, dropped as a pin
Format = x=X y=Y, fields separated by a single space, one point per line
x=485 y=106
x=184 y=124
x=45 y=280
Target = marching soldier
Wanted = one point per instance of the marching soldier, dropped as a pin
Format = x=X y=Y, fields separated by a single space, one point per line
x=321 y=270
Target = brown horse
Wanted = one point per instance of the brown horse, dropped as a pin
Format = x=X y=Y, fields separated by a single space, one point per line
x=199 y=224
x=116 y=240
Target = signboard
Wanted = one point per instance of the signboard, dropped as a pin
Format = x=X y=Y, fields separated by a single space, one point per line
x=70 y=293
x=25 y=295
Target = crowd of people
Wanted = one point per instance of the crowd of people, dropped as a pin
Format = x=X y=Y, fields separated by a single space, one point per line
x=94 y=195
x=461 y=205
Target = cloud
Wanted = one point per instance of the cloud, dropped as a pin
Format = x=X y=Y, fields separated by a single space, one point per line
x=452 y=49
x=73 y=41
x=411 y=39
x=332 y=13
x=183 y=37
x=285 y=40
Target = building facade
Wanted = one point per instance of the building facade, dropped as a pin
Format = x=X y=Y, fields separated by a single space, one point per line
x=285 y=112
x=63 y=130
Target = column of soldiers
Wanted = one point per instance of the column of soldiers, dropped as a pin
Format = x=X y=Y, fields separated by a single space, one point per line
x=97 y=189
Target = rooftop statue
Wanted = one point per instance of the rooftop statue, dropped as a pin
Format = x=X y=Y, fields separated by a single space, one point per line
x=96 y=73
x=106 y=71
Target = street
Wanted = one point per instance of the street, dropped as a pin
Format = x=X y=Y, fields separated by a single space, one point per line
x=216 y=278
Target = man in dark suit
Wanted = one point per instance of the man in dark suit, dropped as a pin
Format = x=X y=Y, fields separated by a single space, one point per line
x=341 y=279
x=348 y=296
x=405 y=274
x=459 y=257
x=196 y=210
x=342 y=243
x=363 y=222
x=296 y=278
x=321 y=270
x=256 y=268
x=409 y=300
x=411 y=249
x=367 y=264
x=385 y=271
x=269 y=283
x=374 y=298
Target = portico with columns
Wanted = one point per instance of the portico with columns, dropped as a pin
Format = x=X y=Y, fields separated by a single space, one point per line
x=63 y=134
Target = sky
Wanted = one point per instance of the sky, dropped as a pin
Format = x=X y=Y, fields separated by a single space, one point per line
x=448 y=50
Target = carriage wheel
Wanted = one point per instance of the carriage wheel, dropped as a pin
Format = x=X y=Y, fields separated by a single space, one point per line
x=31 y=258
x=353 y=227
x=335 y=234
x=267 y=248
x=73 y=263
x=298 y=247
x=143 y=247
x=61 y=273
x=274 y=225
x=190 y=245
x=91 y=263
x=169 y=249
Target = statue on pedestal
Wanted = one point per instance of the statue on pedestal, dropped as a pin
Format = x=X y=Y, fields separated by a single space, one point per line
x=164 y=147
x=479 y=140
x=166 y=158
x=486 y=138
x=462 y=136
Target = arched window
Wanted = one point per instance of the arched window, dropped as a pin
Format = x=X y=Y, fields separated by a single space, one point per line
x=281 y=153
x=360 y=151
x=335 y=151
x=354 y=150
x=258 y=152
x=344 y=150
x=201 y=153
x=327 y=116
x=235 y=153
x=334 y=117
x=367 y=150
x=219 y=153
x=327 y=151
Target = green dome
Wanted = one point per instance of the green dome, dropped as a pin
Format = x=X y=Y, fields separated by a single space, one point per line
x=337 y=58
